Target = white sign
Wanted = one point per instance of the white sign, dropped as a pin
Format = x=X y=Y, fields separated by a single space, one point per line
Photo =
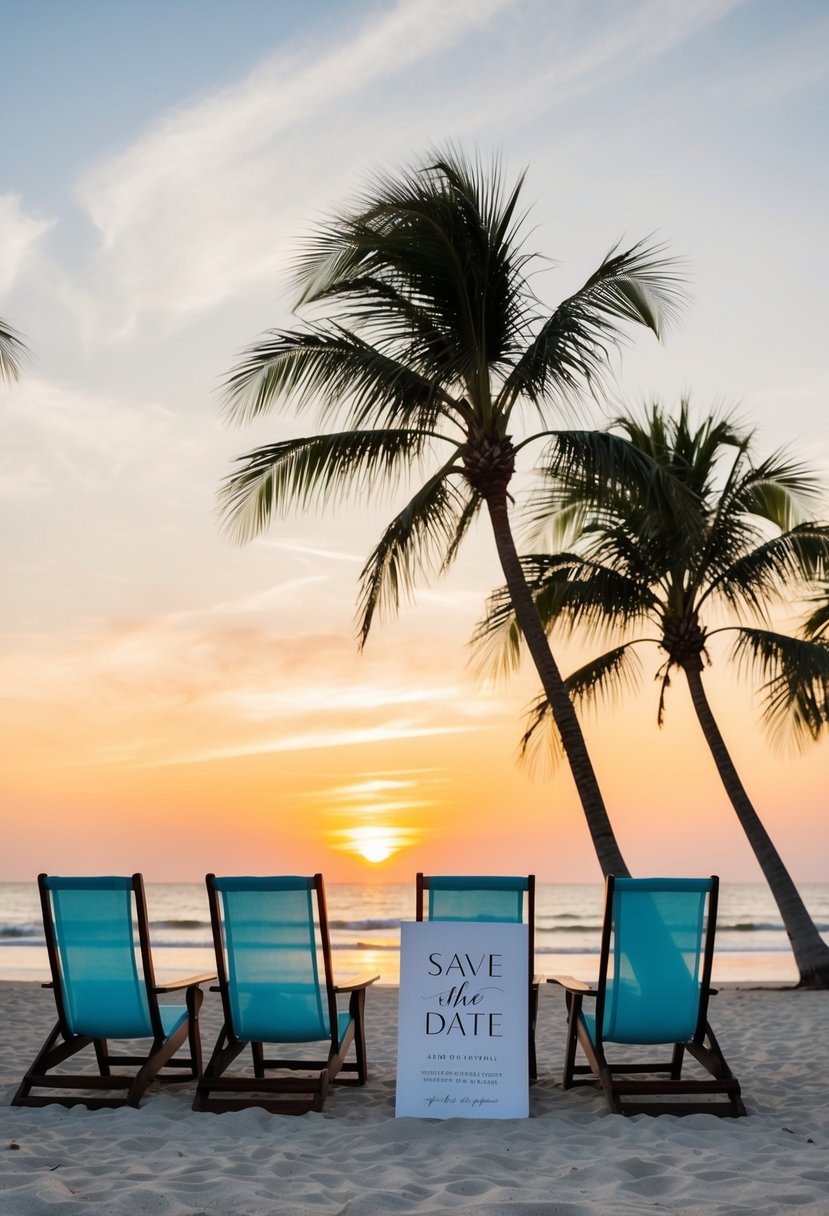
x=463 y=1030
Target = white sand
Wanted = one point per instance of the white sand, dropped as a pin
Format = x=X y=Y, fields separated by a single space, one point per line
x=568 y=1159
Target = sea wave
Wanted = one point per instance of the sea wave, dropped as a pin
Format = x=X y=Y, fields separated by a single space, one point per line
x=184 y=943
x=579 y=927
x=184 y=923
x=783 y=948
x=364 y=926
x=753 y=926
x=10 y=933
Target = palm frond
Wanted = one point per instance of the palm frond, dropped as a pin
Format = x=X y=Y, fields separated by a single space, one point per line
x=778 y=489
x=795 y=675
x=569 y=592
x=540 y=746
x=336 y=372
x=13 y=352
x=639 y=285
x=600 y=682
x=609 y=476
x=817 y=623
x=311 y=471
x=604 y=680
x=771 y=570
x=429 y=264
x=754 y=496
x=422 y=538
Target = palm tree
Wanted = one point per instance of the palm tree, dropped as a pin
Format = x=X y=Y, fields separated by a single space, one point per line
x=12 y=352
x=430 y=353
x=632 y=564
x=817 y=623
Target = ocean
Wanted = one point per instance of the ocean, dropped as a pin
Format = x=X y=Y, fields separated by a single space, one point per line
x=365 y=930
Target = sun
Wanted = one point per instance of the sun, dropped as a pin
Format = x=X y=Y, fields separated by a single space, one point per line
x=375 y=843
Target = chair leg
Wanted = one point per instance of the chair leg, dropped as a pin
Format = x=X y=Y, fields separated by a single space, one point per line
x=574 y=1003
x=711 y=1057
x=677 y=1061
x=102 y=1056
x=224 y=1053
x=322 y=1093
x=531 y=1052
x=356 y=1009
x=50 y=1055
x=258 y=1053
x=337 y=1059
x=54 y=1052
x=195 y=997
x=654 y=1096
x=162 y=1051
x=598 y=1065
x=287 y=1096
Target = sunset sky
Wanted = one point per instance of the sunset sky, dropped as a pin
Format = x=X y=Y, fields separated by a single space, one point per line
x=173 y=703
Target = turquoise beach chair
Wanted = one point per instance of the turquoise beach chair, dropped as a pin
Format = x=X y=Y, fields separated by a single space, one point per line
x=657 y=950
x=500 y=898
x=102 y=994
x=270 y=934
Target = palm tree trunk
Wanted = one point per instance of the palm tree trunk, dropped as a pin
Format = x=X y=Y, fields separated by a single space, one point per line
x=811 y=952
x=598 y=822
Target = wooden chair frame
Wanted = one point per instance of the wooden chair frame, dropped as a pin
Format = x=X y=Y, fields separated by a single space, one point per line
x=629 y=1097
x=422 y=885
x=218 y=1092
x=63 y=1043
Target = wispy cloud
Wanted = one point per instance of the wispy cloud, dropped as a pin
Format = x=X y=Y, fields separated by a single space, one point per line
x=302 y=549
x=259 y=601
x=562 y=60
x=208 y=203
x=265 y=704
x=62 y=435
x=168 y=692
x=205 y=204
x=313 y=740
x=19 y=236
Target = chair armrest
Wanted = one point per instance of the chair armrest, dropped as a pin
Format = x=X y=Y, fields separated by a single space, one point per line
x=538 y=980
x=573 y=985
x=191 y=981
x=354 y=985
x=50 y=984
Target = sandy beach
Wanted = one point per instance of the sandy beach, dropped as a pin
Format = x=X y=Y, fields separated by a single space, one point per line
x=570 y=1158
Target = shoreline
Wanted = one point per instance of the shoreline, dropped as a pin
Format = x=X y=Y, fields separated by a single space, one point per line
x=28 y=964
x=569 y=1158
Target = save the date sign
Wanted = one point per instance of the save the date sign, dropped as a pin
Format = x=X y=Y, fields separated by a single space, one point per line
x=463 y=1031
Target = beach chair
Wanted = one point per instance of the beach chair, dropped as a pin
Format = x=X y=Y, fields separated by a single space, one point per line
x=657 y=949
x=478 y=898
x=105 y=990
x=270 y=935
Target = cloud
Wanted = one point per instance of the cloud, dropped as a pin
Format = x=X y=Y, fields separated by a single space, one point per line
x=313 y=740
x=562 y=63
x=19 y=234
x=205 y=203
x=167 y=691
x=264 y=704
x=58 y=435
x=303 y=549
